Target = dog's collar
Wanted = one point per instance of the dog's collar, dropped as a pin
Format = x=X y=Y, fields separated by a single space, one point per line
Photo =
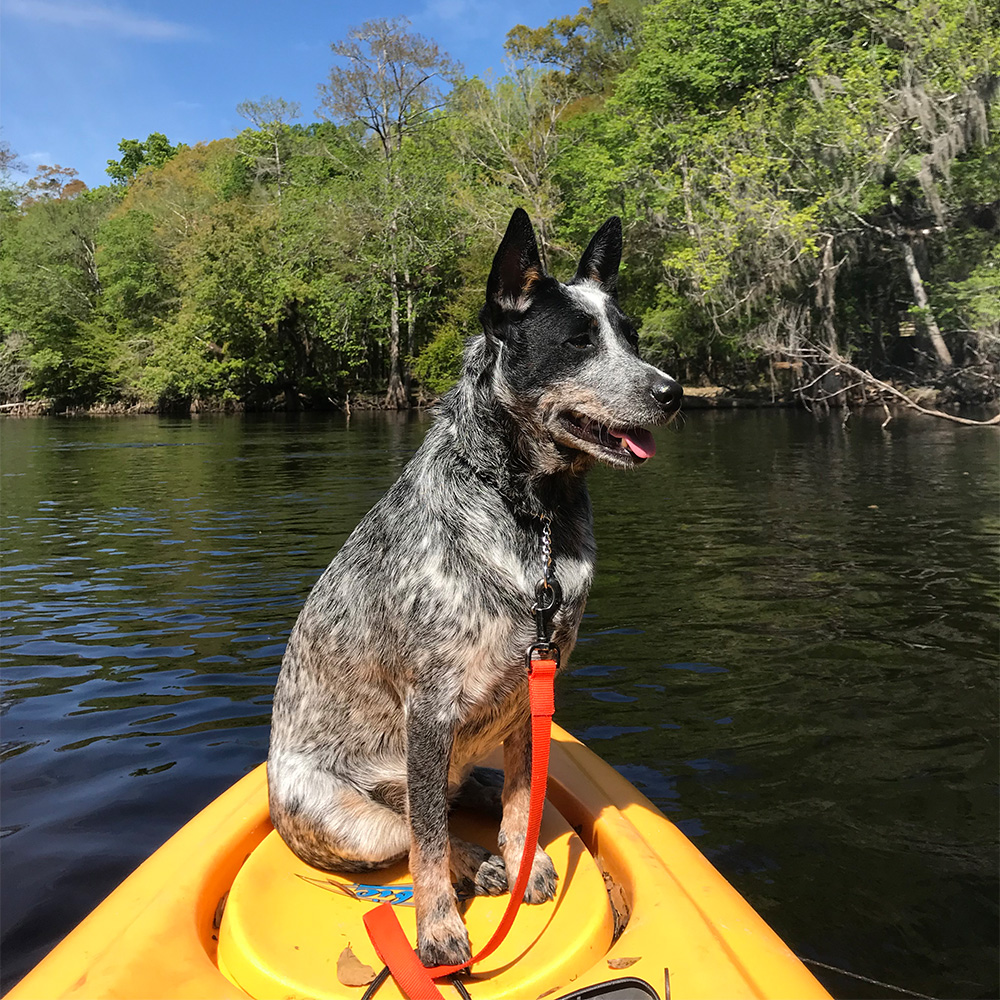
x=526 y=506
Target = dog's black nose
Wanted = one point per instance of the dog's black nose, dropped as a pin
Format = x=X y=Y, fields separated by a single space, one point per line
x=668 y=395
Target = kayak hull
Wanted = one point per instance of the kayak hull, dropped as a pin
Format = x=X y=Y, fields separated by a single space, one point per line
x=224 y=910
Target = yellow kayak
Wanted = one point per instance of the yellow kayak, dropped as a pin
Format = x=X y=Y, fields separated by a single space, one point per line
x=225 y=910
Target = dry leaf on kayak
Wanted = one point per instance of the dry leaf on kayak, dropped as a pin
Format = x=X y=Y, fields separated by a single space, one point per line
x=622 y=963
x=351 y=971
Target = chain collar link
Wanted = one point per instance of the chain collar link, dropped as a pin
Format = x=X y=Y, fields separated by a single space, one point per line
x=548 y=593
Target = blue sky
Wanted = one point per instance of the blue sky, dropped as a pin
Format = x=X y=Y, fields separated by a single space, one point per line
x=77 y=76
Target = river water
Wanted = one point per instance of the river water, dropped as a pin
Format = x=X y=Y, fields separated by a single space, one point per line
x=791 y=647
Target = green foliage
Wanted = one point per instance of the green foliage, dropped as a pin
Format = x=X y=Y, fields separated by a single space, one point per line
x=440 y=362
x=133 y=264
x=48 y=269
x=138 y=155
x=589 y=48
x=77 y=368
x=781 y=168
x=778 y=144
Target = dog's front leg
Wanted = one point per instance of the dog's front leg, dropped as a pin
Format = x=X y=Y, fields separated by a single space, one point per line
x=514 y=826
x=441 y=936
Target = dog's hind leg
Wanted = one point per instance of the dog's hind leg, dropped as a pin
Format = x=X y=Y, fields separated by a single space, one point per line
x=481 y=792
x=327 y=822
x=514 y=826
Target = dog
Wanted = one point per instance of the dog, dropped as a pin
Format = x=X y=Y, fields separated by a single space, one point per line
x=406 y=665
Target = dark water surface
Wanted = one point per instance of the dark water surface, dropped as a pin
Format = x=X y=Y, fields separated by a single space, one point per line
x=791 y=647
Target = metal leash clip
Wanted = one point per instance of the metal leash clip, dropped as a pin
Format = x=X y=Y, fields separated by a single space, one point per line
x=548 y=599
x=541 y=651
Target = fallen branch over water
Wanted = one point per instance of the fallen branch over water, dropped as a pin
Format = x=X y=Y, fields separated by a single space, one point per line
x=836 y=365
x=27 y=408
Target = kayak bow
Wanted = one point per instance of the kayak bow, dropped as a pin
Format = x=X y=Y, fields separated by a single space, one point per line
x=225 y=910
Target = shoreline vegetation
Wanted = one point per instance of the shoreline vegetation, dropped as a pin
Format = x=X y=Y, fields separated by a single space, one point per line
x=891 y=399
x=810 y=195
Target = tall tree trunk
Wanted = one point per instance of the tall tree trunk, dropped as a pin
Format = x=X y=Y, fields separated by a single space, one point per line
x=826 y=300
x=90 y=263
x=920 y=297
x=543 y=237
x=277 y=166
x=411 y=330
x=395 y=398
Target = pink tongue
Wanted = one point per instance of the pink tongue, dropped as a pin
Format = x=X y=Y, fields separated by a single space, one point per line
x=640 y=442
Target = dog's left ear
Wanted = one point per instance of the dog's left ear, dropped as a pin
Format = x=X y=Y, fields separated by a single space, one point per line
x=601 y=258
x=517 y=268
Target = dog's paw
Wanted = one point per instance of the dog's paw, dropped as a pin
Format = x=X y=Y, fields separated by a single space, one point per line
x=475 y=866
x=491 y=877
x=443 y=940
x=542 y=881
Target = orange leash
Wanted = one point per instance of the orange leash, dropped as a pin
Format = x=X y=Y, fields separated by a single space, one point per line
x=415 y=980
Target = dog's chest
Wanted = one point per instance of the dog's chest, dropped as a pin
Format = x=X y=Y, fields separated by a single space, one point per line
x=519 y=560
x=503 y=625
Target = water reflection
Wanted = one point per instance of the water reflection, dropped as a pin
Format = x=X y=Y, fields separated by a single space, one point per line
x=790 y=647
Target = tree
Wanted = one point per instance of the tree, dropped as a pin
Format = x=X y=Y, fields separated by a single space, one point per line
x=51 y=282
x=10 y=190
x=10 y=162
x=52 y=183
x=391 y=85
x=810 y=191
x=510 y=142
x=782 y=145
x=271 y=117
x=588 y=49
x=137 y=278
x=138 y=154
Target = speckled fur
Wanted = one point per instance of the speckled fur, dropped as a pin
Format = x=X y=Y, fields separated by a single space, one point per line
x=406 y=664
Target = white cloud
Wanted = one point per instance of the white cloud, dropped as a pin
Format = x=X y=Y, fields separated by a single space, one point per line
x=68 y=14
x=449 y=10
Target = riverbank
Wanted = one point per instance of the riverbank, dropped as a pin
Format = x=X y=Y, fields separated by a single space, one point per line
x=887 y=396
x=52 y=407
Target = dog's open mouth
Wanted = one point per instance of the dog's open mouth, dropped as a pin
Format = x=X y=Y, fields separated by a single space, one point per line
x=629 y=444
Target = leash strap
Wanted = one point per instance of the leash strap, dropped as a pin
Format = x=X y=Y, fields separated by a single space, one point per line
x=414 y=980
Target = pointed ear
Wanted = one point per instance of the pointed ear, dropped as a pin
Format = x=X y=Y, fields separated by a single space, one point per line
x=601 y=258
x=516 y=266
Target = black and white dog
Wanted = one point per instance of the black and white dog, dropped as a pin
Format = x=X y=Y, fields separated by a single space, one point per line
x=407 y=663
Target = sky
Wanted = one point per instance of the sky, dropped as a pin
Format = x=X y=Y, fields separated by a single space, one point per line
x=78 y=76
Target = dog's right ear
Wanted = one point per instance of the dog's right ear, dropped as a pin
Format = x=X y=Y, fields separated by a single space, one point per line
x=602 y=258
x=517 y=268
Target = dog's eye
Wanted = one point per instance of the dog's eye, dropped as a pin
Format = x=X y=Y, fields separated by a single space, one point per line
x=579 y=342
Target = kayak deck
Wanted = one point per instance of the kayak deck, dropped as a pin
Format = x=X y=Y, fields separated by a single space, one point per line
x=285 y=924
x=225 y=910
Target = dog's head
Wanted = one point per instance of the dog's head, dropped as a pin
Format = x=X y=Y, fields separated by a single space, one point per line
x=565 y=357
